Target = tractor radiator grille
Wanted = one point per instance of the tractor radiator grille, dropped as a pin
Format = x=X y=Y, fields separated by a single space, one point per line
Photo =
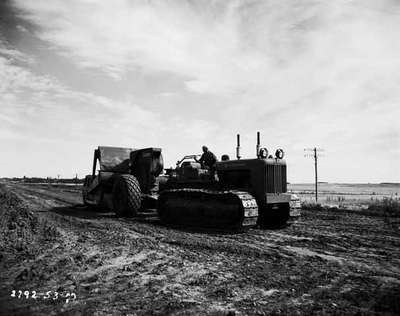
x=276 y=179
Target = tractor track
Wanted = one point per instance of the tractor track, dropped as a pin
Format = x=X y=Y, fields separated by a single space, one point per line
x=322 y=262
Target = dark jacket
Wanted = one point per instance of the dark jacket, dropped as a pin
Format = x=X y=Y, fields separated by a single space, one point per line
x=208 y=159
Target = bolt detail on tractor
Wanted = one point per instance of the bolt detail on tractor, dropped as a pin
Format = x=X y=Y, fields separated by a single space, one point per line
x=235 y=195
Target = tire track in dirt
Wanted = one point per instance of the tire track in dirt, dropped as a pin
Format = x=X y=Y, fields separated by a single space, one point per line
x=44 y=194
x=94 y=236
x=316 y=264
x=256 y=242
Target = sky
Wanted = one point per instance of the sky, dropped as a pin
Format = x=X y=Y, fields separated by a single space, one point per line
x=181 y=74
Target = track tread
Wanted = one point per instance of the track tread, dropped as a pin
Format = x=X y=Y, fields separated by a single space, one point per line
x=248 y=204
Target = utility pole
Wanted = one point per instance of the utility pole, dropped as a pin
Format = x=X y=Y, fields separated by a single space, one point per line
x=314 y=153
x=316 y=173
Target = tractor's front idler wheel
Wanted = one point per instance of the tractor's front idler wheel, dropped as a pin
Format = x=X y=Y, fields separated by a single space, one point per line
x=126 y=196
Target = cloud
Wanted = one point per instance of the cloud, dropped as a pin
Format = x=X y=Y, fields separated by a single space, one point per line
x=56 y=124
x=304 y=73
x=13 y=55
x=221 y=47
x=40 y=114
x=37 y=103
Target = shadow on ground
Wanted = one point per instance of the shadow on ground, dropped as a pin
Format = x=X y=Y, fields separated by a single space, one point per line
x=147 y=216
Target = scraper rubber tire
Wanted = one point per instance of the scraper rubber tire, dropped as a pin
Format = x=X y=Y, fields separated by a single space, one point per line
x=126 y=196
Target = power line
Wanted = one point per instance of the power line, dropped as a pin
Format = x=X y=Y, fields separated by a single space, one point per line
x=314 y=153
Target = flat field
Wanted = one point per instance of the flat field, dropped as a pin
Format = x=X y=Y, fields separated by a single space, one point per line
x=324 y=262
x=353 y=196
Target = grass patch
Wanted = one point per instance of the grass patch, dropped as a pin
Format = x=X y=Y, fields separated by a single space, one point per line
x=386 y=207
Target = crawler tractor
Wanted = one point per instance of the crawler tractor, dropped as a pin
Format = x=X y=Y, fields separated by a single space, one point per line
x=234 y=195
x=241 y=194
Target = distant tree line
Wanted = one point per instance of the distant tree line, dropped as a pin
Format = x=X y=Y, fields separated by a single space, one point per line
x=46 y=180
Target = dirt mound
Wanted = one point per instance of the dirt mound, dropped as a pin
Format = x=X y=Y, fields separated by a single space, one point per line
x=20 y=228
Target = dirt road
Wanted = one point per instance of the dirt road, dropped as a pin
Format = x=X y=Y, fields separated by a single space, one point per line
x=331 y=262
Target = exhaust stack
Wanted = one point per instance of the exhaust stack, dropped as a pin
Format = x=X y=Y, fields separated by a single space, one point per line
x=258 y=145
x=238 y=147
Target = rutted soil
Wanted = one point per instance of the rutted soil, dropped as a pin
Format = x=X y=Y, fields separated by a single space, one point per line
x=332 y=262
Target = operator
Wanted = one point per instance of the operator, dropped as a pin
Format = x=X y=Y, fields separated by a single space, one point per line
x=208 y=159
